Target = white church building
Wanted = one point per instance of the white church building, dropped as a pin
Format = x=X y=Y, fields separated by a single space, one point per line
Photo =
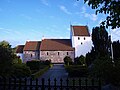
x=56 y=50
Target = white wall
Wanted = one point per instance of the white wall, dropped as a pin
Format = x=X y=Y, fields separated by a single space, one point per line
x=21 y=56
x=81 y=46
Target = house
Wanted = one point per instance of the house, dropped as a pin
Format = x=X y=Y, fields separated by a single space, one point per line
x=55 y=50
x=81 y=40
x=31 y=50
x=19 y=51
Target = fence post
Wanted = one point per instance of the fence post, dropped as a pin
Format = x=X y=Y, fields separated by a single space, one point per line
x=99 y=83
x=19 y=83
x=86 y=80
x=92 y=83
x=73 y=84
x=61 y=84
x=5 y=82
x=36 y=84
x=25 y=88
x=30 y=83
x=9 y=83
x=79 y=83
x=67 y=81
x=55 y=84
x=43 y=81
x=49 y=88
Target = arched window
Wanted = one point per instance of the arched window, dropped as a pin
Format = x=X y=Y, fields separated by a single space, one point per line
x=58 y=53
x=84 y=38
x=78 y=38
x=47 y=53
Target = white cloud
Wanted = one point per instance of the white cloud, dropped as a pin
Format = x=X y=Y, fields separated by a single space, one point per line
x=45 y=2
x=93 y=17
x=83 y=10
x=64 y=9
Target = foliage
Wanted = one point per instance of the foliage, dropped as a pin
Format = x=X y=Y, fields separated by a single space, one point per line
x=37 y=65
x=34 y=64
x=80 y=60
x=110 y=8
x=101 y=41
x=103 y=67
x=21 y=70
x=116 y=50
x=6 y=57
x=40 y=72
x=68 y=60
x=77 y=70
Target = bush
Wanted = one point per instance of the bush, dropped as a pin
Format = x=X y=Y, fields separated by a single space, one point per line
x=77 y=70
x=34 y=64
x=80 y=60
x=21 y=70
x=68 y=60
x=103 y=67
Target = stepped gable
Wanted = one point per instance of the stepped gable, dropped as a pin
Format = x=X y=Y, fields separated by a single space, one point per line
x=56 y=45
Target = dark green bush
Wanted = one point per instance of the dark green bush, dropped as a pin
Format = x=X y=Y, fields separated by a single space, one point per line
x=34 y=64
x=80 y=60
x=68 y=60
x=77 y=70
x=21 y=70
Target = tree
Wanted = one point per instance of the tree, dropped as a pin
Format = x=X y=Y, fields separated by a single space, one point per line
x=109 y=7
x=100 y=41
x=68 y=60
x=6 y=57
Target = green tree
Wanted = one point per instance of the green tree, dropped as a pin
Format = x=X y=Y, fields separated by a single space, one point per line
x=6 y=57
x=109 y=7
x=100 y=41
x=68 y=60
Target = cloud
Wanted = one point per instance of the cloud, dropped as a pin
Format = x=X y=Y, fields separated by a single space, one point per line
x=83 y=10
x=93 y=17
x=64 y=9
x=44 y=2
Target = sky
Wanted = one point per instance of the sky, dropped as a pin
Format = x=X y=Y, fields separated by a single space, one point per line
x=28 y=20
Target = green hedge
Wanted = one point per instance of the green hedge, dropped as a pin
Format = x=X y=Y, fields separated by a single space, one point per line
x=40 y=72
x=77 y=70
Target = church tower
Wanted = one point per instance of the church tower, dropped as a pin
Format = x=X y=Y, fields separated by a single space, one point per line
x=81 y=40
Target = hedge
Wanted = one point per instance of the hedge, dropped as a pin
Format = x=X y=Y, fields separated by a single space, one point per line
x=40 y=72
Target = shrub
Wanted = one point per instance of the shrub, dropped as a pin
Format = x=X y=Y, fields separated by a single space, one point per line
x=21 y=70
x=80 y=60
x=77 y=70
x=34 y=64
x=68 y=60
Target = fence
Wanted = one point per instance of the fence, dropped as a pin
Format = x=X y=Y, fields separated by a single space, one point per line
x=50 y=84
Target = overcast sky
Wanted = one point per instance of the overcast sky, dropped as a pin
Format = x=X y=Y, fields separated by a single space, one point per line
x=22 y=20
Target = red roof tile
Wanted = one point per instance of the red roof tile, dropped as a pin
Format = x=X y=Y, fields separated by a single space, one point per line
x=80 y=31
x=56 y=45
x=19 y=49
x=32 y=46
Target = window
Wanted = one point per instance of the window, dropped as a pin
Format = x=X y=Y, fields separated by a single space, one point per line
x=67 y=53
x=47 y=53
x=58 y=53
x=81 y=43
x=84 y=38
x=31 y=55
x=78 y=38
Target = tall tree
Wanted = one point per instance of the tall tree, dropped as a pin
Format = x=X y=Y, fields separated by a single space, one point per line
x=100 y=41
x=6 y=56
x=109 y=7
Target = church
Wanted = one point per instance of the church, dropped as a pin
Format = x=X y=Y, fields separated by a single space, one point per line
x=56 y=50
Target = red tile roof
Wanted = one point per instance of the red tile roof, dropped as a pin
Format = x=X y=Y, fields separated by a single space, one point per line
x=19 y=49
x=56 y=45
x=32 y=46
x=80 y=31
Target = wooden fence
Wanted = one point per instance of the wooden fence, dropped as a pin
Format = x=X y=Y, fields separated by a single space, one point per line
x=50 y=84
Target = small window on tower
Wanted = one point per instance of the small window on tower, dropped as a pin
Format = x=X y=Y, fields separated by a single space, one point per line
x=47 y=53
x=67 y=53
x=84 y=38
x=78 y=38
x=31 y=55
x=81 y=43
x=58 y=53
